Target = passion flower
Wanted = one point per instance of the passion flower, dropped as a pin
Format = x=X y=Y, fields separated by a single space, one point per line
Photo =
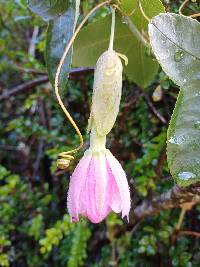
x=98 y=185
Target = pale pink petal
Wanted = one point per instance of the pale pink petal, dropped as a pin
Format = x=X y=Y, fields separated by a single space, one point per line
x=121 y=181
x=115 y=201
x=98 y=186
x=101 y=181
x=77 y=181
x=97 y=204
x=83 y=199
x=92 y=212
x=106 y=209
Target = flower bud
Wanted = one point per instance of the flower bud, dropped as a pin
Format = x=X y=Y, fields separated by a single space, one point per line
x=107 y=91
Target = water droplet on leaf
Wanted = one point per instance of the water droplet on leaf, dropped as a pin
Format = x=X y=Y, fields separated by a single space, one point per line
x=178 y=56
x=176 y=140
x=197 y=125
x=172 y=140
x=186 y=175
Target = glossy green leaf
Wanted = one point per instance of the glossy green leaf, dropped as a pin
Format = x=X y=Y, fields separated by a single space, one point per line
x=151 y=9
x=175 y=41
x=48 y=9
x=183 y=147
x=59 y=32
x=94 y=38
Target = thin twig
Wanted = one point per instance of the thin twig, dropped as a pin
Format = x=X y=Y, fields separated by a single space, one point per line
x=166 y=106
x=28 y=70
x=24 y=87
x=154 y=110
x=184 y=232
x=81 y=70
x=72 y=71
x=32 y=84
x=161 y=160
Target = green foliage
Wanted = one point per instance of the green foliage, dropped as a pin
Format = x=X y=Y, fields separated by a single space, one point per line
x=177 y=50
x=34 y=229
x=145 y=167
x=180 y=60
x=17 y=204
x=183 y=136
x=48 y=9
x=94 y=39
x=4 y=261
x=63 y=17
x=55 y=235
x=80 y=235
x=12 y=193
x=60 y=31
x=79 y=246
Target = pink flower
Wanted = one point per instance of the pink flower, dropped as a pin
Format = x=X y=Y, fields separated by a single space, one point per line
x=97 y=187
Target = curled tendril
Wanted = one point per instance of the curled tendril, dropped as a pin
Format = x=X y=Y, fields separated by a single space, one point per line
x=143 y=12
x=65 y=158
x=124 y=14
x=139 y=5
x=183 y=5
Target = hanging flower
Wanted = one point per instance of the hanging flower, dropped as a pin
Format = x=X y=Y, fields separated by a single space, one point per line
x=98 y=185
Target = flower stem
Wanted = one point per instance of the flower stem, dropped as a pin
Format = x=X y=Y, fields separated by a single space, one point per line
x=112 y=34
x=97 y=143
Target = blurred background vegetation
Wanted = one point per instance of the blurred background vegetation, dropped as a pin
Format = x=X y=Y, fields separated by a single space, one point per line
x=34 y=225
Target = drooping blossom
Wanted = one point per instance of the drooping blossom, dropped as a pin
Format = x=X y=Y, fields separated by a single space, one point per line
x=98 y=185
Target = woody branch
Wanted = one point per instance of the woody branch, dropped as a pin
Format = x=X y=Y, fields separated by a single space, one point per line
x=174 y=198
